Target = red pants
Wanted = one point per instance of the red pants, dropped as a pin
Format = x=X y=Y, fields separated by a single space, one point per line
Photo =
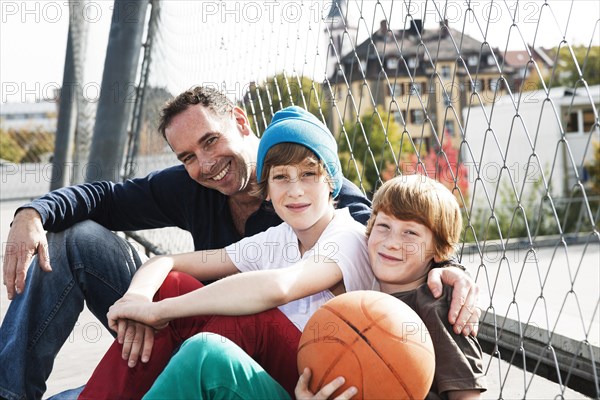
x=268 y=337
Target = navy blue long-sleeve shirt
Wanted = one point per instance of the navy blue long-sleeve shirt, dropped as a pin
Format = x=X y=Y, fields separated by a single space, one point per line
x=167 y=198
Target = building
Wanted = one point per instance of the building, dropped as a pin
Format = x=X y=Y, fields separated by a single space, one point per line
x=424 y=77
x=340 y=31
x=551 y=137
x=39 y=116
x=534 y=64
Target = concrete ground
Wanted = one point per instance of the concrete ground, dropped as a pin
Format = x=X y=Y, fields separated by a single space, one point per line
x=89 y=341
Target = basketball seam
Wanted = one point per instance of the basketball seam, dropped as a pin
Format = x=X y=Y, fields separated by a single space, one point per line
x=355 y=329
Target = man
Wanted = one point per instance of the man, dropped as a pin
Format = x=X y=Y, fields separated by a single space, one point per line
x=81 y=260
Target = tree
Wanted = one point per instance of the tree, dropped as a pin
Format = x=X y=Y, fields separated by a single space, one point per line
x=262 y=100
x=373 y=141
x=593 y=169
x=25 y=145
x=443 y=165
x=10 y=149
x=567 y=71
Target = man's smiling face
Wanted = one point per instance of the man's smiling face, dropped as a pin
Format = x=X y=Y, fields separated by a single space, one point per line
x=213 y=148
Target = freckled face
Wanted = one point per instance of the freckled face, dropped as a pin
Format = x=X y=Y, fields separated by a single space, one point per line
x=214 y=149
x=400 y=253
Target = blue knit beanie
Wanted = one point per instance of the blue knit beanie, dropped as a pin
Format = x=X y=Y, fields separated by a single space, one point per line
x=296 y=125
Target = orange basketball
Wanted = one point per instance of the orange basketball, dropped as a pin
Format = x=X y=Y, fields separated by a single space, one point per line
x=375 y=341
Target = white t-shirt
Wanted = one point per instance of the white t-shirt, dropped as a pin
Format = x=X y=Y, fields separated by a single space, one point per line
x=343 y=241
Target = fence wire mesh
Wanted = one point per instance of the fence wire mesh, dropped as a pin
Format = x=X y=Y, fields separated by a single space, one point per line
x=498 y=100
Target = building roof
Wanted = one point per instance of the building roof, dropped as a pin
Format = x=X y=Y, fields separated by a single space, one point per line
x=558 y=95
x=442 y=44
x=338 y=7
x=520 y=58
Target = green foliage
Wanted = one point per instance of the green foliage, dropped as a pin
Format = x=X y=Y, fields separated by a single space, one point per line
x=534 y=217
x=10 y=149
x=373 y=141
x=25 y=145
x=280 y=91
x=593 y=169
x=567 y=71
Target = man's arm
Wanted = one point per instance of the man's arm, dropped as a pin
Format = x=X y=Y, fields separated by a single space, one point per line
x=154 y=201
x=351 y=197
x=151 y=202
x=464 y=313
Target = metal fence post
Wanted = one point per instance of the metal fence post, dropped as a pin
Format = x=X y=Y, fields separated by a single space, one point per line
x=118 y=90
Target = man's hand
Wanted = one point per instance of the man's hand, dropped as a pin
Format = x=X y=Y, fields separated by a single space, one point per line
x=464 y=313
x=25 y=239
x=303 y=393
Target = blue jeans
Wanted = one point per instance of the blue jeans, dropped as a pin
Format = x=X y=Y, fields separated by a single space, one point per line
x=89 y=264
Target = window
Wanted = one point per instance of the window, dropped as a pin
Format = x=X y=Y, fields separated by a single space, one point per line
x=400 y=117
x=449 y=128
x=478 y=85
x=417 y=88
x=422 y=144
x=412 y=62
x=445 y=72
x=363 y=65
x=588 y=120
x=417 y=116
x=494 y=84
x=491 y=60
x=391 y=63
x=573 y=122
x=396 y=89
x=580 y=121
x=447 y=101
x=472 y=60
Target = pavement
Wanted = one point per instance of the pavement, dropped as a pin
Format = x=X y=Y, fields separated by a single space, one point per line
x=89 y=341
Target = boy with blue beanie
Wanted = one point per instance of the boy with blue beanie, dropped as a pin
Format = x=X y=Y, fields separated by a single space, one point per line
x=268 y=285
x=296 y=125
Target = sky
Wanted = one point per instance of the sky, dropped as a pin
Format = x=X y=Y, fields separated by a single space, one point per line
x=33 y=34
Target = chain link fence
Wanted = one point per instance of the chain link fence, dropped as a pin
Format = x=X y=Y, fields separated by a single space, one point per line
x=498 y=100
x=494 y=99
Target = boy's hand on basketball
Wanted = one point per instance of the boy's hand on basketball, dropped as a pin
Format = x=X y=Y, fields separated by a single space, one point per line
x=464 y=313
x=302 y=392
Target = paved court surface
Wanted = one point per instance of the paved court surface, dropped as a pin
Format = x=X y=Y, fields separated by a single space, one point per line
x=89 y=341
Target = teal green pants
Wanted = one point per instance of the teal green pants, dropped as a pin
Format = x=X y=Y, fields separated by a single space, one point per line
x=209 y=366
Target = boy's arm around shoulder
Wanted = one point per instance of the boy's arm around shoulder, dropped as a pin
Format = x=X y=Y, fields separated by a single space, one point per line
x=463 y=313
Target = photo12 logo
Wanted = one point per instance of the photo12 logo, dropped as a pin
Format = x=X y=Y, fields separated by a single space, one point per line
x=51 y=11
x=265 y=11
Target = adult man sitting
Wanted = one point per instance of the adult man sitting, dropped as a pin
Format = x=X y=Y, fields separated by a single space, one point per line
x=82 y=260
